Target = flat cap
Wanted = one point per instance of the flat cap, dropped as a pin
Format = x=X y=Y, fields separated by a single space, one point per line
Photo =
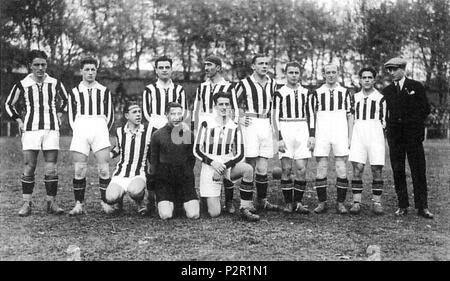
x=214 y=59
x=395 y=62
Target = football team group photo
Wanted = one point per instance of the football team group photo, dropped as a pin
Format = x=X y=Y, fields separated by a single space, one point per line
x=261 y=149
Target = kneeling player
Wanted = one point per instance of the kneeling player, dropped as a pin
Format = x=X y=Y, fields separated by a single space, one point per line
x=171 y=165
x=368 y=140
x=214 y=144
x=294 y=122
x=133 y=141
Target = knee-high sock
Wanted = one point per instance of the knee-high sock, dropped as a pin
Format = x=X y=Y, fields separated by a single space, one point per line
x=342 y=186
x=321 y=188
x=79 y=187
x=299 y=190
x=261 y=182
x=286 y=188
x=246 y=193
x=103 y=184
x=357 y=187
x=27 y=184
x=229 y=190
x=51 y=185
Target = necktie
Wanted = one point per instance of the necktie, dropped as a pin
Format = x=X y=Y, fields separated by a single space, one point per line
x=397 y=87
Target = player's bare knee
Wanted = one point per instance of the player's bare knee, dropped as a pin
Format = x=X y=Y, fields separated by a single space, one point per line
x=377 y=172
x=50 y=169
x=80 y=170
x=213 y=211
x=341 y=169
x=112 y=195
x=103 y=170
x=165 y=214
x=247 y=173
x=137 y=194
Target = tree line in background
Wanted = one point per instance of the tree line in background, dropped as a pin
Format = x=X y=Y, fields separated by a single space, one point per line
x=122 y=32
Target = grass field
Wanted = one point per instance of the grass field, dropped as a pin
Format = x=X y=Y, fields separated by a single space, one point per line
x=276 y=237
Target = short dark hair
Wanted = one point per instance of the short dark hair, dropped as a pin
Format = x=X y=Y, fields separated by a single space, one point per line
x=226 y=95
x=293 y=64
x=36 y=54
x=172 y=105
x=163 y=58
x=368 y=68
x=129 y=104
x=255 y=57
x=88 y=60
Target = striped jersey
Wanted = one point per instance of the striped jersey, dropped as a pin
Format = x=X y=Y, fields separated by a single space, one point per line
x=42 y=102
x=93 y=101
x=255 y=98
x=204 y=96
x=333 y=99
x=156 y=97
x=370 y=107
x=215 y=139
x=132 y=148
x=293 y=104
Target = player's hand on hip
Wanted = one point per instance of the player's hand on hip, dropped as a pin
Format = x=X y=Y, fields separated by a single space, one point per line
x=245 y=121
x=217 y=176
x=218 y=167
x=311 y=143
x=282 y=146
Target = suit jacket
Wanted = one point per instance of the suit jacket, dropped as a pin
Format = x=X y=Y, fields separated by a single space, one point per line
x=406 y=111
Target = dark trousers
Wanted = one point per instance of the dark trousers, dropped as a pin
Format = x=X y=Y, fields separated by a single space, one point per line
x=416 y=159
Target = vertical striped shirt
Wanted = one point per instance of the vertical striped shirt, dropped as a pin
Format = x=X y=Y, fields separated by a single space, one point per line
x=133 y=148
x=156 y=97
x=204 y=97
x=42 y=102
x=255 y=98
x=336 y=99
x=215 y=139
x=293 y=104
x=370 y=107
x=92 y=101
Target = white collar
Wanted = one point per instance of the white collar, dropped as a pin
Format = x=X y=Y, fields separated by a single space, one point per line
x=401 y=82
x=127 y=129
x=161 y=84
x=220 y=82
x=30 y=81
x=94 y=85
x=254 y=79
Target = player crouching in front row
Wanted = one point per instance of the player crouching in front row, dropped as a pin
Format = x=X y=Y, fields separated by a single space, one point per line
x=294 y=120
x=133 y=141
x=216 y=141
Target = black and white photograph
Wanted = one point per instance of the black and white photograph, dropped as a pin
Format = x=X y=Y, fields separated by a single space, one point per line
x=226 y=136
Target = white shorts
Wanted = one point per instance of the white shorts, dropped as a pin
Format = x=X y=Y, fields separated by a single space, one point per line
x=89 y=132
x=295 y=135
x=258 y=138
x=331 y=132
x=157 y=121
x=367 y=142
x=40 y=140
x=208 y=186
x=124 y=182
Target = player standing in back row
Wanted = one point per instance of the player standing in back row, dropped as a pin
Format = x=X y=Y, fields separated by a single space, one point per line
x=333 y=105
x=294 y=123
x=91 y=116
x=255 y=95
x=368 y=140
x=45 y=100
x=157 y=95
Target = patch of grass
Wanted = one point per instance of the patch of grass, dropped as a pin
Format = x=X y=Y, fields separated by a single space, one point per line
x=276 y=237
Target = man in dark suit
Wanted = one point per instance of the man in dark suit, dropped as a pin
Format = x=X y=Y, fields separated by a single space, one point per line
x=407 y=109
